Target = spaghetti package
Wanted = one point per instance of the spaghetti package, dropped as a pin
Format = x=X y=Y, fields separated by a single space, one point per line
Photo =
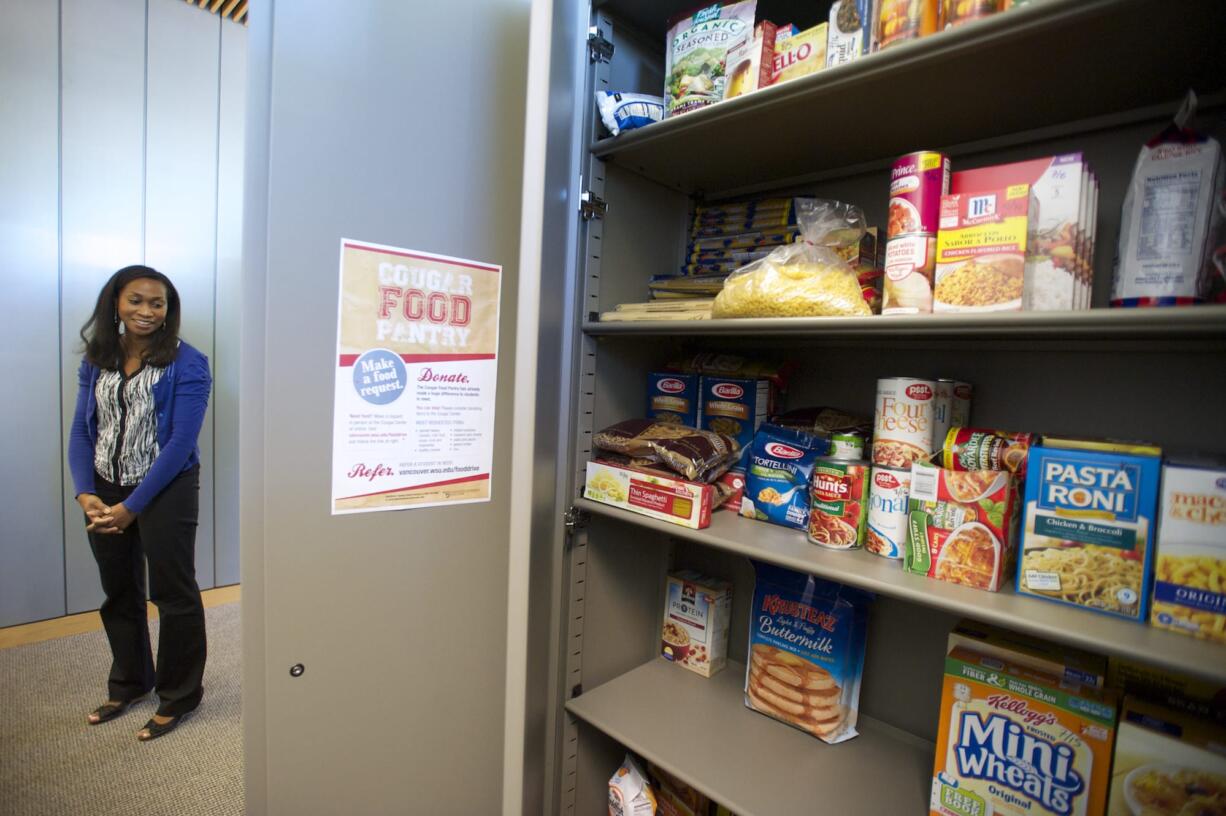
x=961 y=526
x=807 y=278
x=696 y=455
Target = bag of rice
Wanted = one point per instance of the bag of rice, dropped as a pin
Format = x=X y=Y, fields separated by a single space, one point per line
x=697 y=52
x=804 y=279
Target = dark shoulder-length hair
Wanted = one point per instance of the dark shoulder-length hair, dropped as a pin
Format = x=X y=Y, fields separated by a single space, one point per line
x=101 y=332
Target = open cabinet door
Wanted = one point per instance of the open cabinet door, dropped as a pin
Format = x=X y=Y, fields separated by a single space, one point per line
x=399 y=124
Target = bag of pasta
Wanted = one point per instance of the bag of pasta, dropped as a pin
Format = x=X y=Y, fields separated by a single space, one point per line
x=806 y=278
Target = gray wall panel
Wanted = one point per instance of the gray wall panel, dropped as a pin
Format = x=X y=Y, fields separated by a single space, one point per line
x=103 y=100
x=31 y=544
x=181 y=194
x=232 y=116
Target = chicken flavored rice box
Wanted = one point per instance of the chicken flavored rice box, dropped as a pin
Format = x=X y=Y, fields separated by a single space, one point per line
x=1017 y=742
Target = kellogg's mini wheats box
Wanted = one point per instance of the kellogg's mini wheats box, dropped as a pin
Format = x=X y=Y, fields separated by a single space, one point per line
x=1015 y=742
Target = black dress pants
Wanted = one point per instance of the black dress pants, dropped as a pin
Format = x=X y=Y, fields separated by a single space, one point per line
x=164 y=534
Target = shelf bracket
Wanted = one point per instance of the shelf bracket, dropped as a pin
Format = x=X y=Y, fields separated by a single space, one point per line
x=592 y=206
x=598 y=48
x=575 y=519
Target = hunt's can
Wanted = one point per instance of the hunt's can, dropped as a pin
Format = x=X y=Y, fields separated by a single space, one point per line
x=838 y=503
x=902 y=422
x=888 y=491
x=960 y=407
x=917 y=182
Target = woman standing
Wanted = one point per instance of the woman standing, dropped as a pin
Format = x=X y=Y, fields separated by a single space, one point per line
x=136 y=465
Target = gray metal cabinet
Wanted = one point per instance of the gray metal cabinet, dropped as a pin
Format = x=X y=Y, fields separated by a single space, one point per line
x=1097 y=76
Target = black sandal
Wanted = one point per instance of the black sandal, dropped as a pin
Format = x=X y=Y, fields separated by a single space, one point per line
x=110 y=710
x=157 y=729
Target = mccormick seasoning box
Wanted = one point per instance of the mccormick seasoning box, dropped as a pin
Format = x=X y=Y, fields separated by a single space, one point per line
x=1090 y=514
x=1016 y=742
x=806 y=651
x=673 y=398
x=659 y=497
x=981 y=251
x=1190 y=576
x=1167 y=762
x=697 y=611
x=961 y=525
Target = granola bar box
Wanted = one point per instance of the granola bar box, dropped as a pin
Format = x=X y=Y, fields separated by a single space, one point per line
x=697 y=612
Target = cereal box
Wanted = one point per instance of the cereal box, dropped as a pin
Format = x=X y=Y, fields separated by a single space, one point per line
x=1190 y=576
x=961 y=525
x=850 y=35
x=981 y=251
x=1167 y=762
x=697 y=610
x=806 y=652
x=1089 y=524
x=1067 y=664
x=800 y=55
x=656 y=496
x=673 y=398
x=1016 y=742
x=1201 y=698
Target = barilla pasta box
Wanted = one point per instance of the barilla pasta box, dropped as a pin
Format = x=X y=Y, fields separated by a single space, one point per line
x=1090 y=514
x=673 y=398
x=1190 y=576
x=1015 y=742
x=734 y=407
x=697 y=611
x=1167 y=762
x=806 y=651
x=655 y=496
x=1068 y=664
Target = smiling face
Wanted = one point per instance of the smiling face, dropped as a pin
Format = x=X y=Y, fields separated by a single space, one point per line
x=142 y=306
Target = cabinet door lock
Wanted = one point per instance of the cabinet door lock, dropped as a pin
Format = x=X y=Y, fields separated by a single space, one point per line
x=598 y=48
x=592 y=206
x=575 y=519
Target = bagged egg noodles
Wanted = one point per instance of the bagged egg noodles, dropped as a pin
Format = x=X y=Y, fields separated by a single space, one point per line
x=697 y=53
x=804 y=279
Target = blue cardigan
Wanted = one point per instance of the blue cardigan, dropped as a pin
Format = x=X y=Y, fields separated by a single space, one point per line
x=180 y=399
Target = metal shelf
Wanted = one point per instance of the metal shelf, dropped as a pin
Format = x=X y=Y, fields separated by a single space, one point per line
x=1089 y=630
x=1193 y=322
x=700 y=730
x=1034 y=67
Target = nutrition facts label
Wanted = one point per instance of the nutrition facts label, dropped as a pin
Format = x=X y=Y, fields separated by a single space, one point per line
x=1168 y=215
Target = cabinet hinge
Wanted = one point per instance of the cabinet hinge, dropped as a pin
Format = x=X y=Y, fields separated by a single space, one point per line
x=592 y=206
x=575 y=519
x=598 y=48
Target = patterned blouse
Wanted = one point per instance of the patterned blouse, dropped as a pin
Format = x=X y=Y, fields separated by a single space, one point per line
x=127 y=426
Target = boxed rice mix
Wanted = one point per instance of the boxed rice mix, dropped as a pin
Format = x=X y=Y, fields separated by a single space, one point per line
x=1167 y=762
x=1016 y=742
x=981 y=262
x=697 y=612
x=851 y=29
x=1190 y=576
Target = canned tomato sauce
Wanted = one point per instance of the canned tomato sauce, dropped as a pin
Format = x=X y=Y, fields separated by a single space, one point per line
x=917 y=182
x=960 y=407
x=888 y=491
x=838 y=503
x=902 y=423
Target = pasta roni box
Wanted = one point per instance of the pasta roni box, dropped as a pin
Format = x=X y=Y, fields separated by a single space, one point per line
x=673 y=398
x=1090 y=515
x=1167 y=762
x=1016 y=742
x=655 y=496
x=1190 y=580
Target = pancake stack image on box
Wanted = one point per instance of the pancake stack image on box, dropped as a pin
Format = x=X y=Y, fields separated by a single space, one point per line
x=792 y=689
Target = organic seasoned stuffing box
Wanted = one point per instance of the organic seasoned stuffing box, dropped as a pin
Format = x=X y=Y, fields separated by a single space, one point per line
x=697 y=612
x=659 y=497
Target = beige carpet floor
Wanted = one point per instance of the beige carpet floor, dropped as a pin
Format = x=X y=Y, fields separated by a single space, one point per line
x=53 y=764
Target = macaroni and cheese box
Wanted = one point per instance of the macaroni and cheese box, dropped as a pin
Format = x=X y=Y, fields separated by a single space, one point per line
x=1016 y=742
x=1190 y=576
x=1090 y=513
x=1167 y=762
x=1066 y=663
x=697 y=611
x=656 y=496
x=981 y=251
x=734 y=407
x=806 y=651
x=673 y=398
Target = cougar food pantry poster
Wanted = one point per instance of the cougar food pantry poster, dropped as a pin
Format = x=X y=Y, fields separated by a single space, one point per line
x=416 y=366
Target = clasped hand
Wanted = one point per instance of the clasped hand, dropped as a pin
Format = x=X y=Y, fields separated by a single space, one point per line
x=104 y=518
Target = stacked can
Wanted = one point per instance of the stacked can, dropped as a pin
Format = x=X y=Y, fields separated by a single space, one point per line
x=888 y=492
x=838 y=503
x=917 y=182
x=903 y=20
x=950 y=409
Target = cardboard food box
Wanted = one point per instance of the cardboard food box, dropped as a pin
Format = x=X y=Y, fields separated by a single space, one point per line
x=659 y=497
x=851 y=29
x=1066 y=663
x=981 y=263
x=1016 y=742
x=799 y=55
x=1200 y=698
x=1166 y=762
x=1060 y=252
x=961 y=526
x=1190 y=574
x=697 y=612
x=750 y=65
x=1090 y=514
x=673 y=398
x=735 y=407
